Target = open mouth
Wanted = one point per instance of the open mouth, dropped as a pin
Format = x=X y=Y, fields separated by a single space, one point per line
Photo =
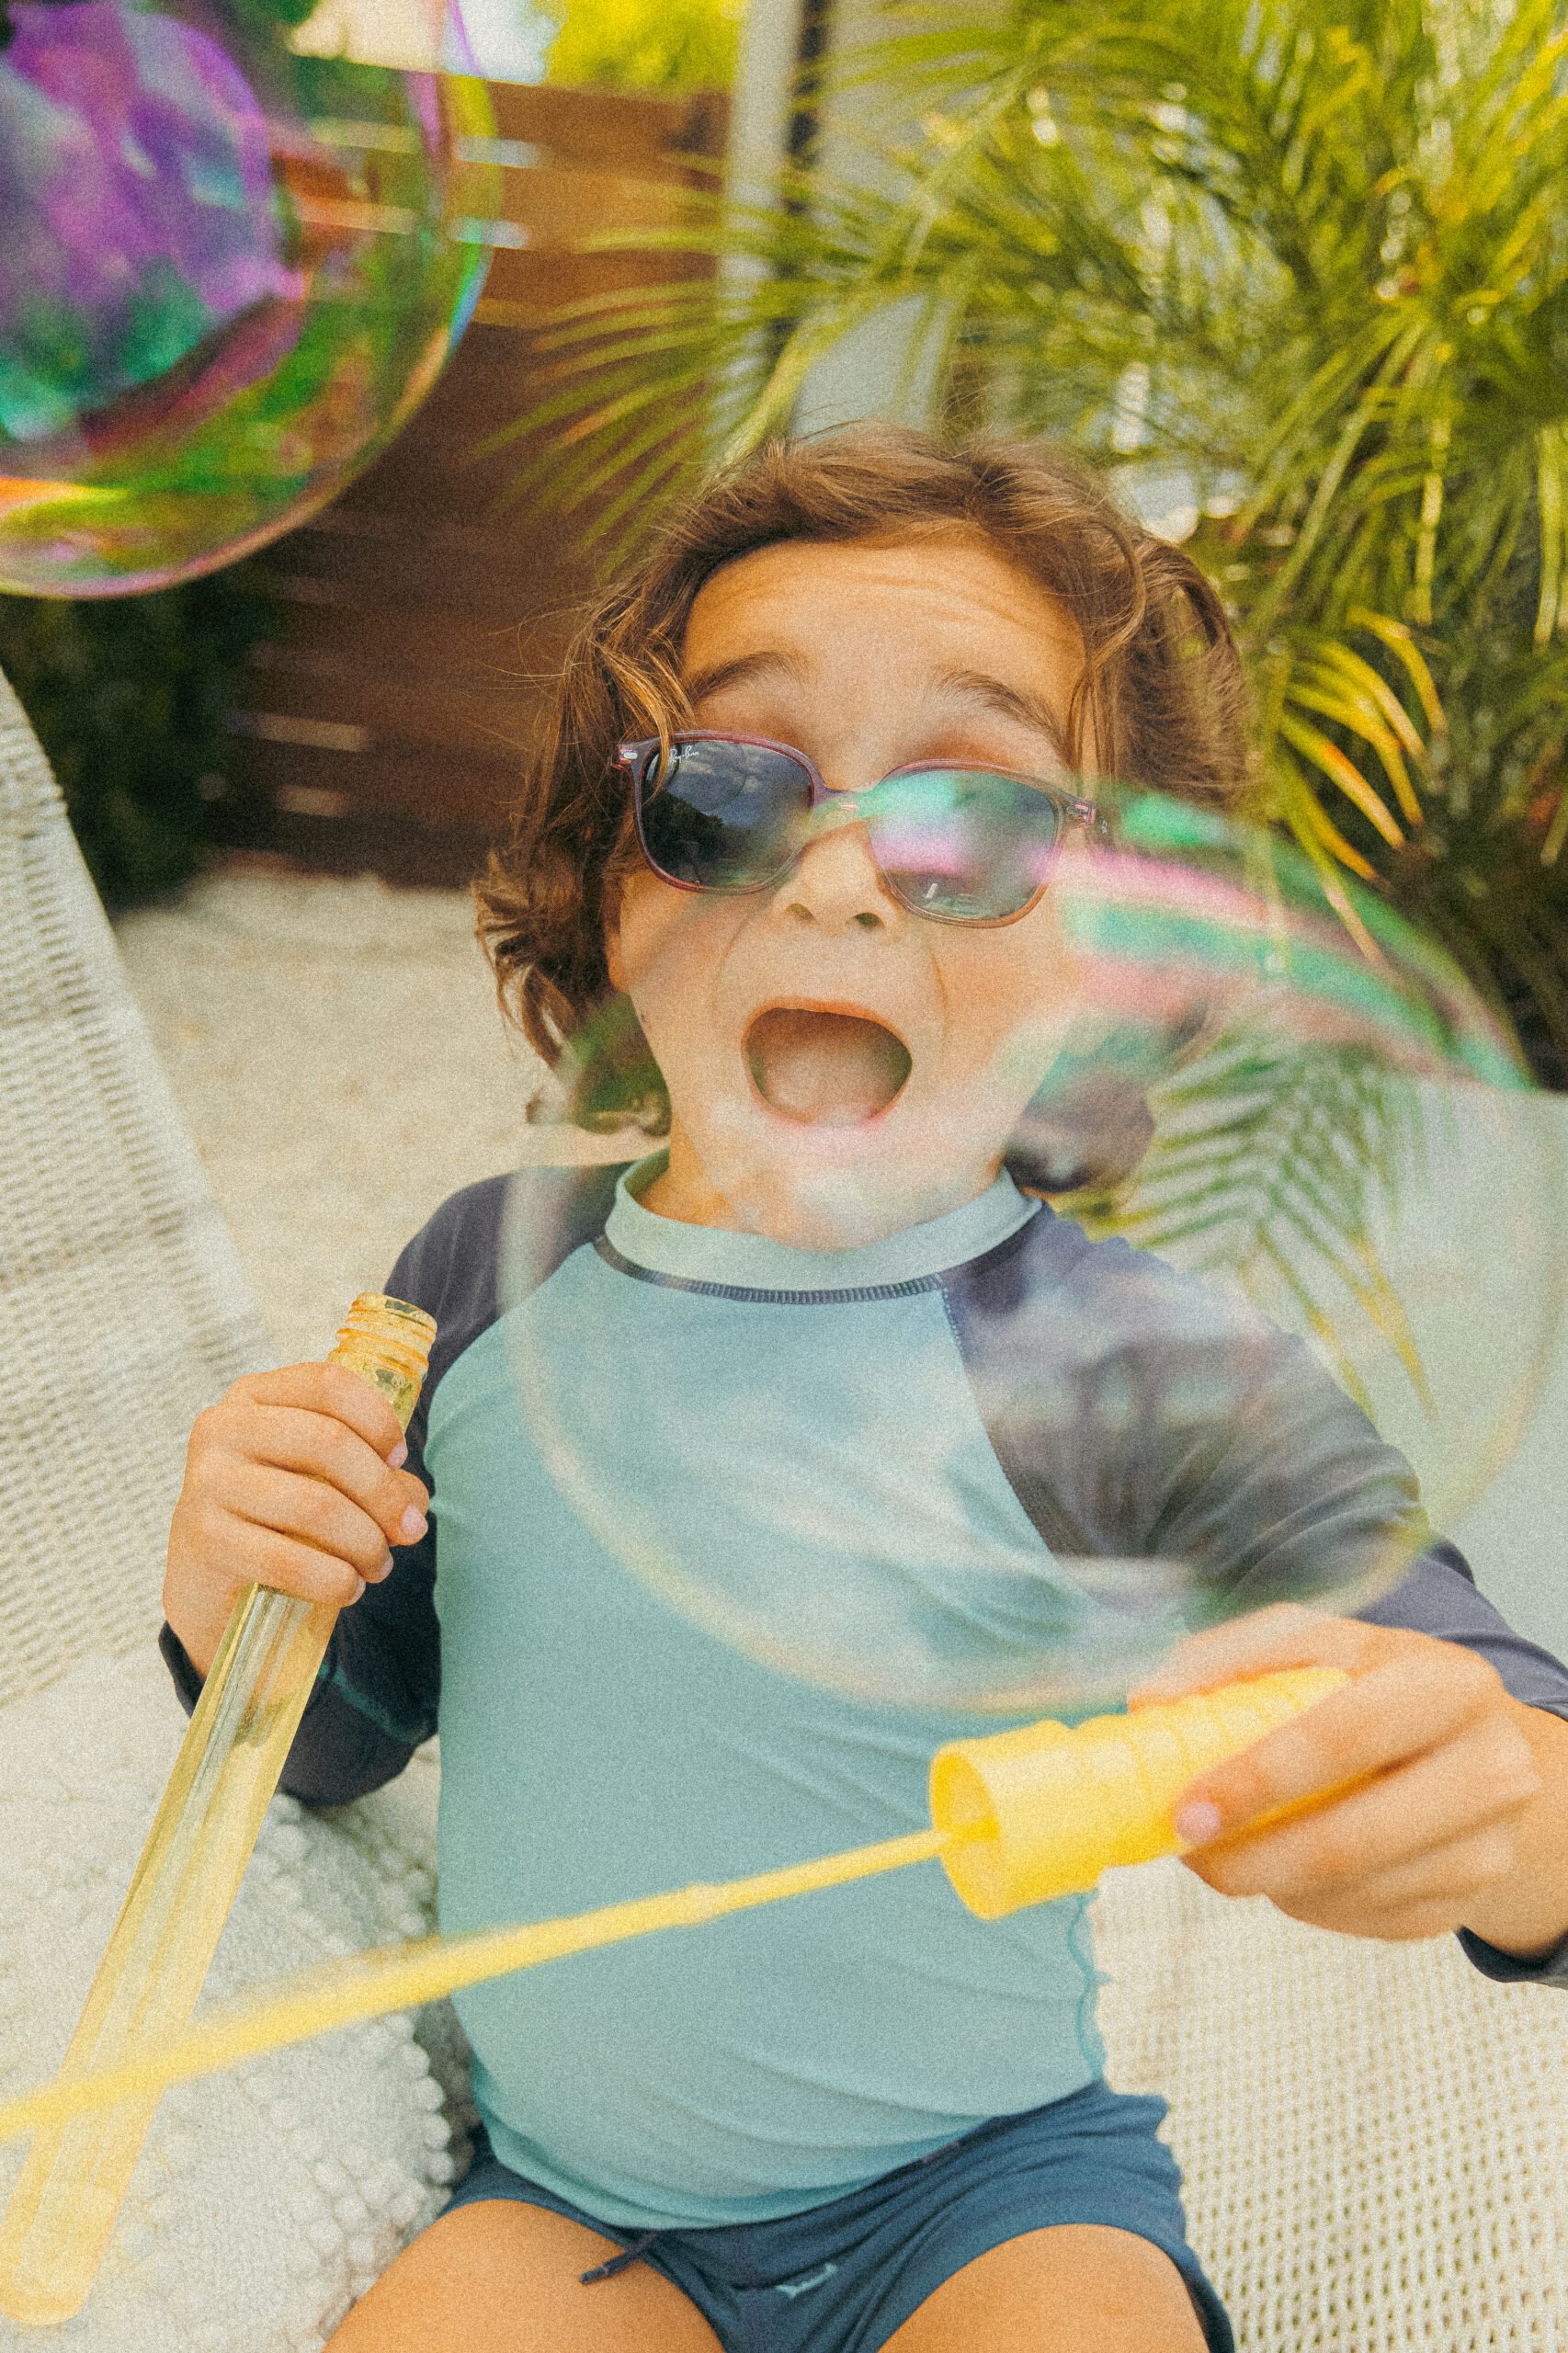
x=825 y=1070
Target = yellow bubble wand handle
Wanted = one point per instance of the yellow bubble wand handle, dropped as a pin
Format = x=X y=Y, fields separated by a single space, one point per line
x=1043 y=1811
x=57 y=2226
x=1018 y=1817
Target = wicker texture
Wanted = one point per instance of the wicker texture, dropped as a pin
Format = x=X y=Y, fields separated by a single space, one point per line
x=123 y=1307
x=1374 y=2136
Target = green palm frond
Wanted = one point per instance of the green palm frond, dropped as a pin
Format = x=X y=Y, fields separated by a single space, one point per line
x=1270 y=1163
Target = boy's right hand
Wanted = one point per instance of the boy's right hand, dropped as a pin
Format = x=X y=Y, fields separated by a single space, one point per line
x=291 y=1481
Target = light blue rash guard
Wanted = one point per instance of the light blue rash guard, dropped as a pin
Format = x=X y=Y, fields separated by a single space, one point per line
x=987 y=1387
x=782 y=2056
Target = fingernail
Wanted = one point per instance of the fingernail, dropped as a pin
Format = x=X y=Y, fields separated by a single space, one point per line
x=384 y=1567
x=398 y=1455
x=1197 y=1821
x=358 y=1587
x=413 y=1523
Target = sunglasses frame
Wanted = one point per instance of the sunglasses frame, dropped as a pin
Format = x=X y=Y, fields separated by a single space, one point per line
x=637 y=759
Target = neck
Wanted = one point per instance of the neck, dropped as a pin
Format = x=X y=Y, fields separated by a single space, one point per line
x=685 y=1191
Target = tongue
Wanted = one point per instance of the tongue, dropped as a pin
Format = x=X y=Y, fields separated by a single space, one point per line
x=824 y=1069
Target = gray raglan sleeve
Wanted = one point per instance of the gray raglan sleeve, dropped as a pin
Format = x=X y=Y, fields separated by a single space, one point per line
x=377 y=1691
x=1278 y=1489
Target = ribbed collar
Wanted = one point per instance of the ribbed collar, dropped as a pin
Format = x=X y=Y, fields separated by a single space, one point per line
x=712 y=1254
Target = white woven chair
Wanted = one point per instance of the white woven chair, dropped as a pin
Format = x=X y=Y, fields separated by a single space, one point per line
x=1375 y=2139
x=124 y=1309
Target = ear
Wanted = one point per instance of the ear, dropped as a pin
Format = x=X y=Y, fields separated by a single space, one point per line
x=1093 y=1132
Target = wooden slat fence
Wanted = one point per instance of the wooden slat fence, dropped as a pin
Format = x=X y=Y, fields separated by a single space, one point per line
x=379 y=723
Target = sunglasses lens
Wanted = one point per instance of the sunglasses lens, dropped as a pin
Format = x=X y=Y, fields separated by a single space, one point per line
x=723 y=816
x=964 y=845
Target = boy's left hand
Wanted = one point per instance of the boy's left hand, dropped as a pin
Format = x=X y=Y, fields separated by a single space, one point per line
x=1463 y=1824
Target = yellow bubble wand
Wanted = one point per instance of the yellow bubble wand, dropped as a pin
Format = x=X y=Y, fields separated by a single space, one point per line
x=1018 y=1818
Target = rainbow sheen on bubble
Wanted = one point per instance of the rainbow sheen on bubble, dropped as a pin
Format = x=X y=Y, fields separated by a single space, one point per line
x=227 y=275
x=1285 y=1313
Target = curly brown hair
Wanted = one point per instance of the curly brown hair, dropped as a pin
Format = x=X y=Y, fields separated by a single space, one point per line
x=1161 y=695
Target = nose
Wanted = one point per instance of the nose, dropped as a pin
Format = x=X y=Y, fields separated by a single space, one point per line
x=834 y=885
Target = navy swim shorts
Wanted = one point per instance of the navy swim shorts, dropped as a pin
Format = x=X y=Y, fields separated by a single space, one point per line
x=842 y=2278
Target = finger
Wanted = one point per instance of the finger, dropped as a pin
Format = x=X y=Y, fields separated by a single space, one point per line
x=1451 y=1876
x=1428 y=1897
x=1415 y=1924
x=1286 y=1634
x=1418 y=1697
x=311 y=1511
x=1470 y=1787
x=322 y=1447
x=255 y=1555
x=328 y=1389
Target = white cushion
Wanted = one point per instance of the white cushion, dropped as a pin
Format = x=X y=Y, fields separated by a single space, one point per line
x=268 y=2198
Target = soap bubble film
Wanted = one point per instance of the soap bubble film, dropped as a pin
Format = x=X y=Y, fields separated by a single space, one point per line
x=1281 y=1314
x=227 y=272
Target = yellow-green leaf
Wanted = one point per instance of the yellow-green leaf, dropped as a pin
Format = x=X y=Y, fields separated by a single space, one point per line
x=1332 y=762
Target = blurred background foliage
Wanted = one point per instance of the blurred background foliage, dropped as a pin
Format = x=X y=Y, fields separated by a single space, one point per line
x=667 y=46
x=1297 y=272
x=128 y=695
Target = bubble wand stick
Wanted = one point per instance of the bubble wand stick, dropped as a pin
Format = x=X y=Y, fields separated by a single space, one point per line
x=1018 y=1818
x=57 y=2226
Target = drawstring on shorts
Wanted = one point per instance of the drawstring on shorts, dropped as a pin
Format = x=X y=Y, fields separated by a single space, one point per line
x=621 y=2262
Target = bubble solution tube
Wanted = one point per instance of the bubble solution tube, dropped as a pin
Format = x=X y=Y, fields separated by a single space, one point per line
x=55 y=2229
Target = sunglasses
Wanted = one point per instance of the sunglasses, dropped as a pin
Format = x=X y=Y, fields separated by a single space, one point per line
x=959 y=844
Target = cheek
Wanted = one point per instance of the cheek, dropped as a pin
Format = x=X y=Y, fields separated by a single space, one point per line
x=1009 y=1002
x=646 y=921
x=666 y=946
x=1007 y=982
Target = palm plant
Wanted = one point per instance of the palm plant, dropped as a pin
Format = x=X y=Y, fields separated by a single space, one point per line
x=659 y=45
x=1298 y=267
x=1297 y=271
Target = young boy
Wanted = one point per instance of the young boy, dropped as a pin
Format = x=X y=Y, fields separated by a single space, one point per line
x=866 y=2119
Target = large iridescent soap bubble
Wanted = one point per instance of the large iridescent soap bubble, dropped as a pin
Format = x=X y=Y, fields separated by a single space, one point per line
x=227 y=272
x=1284 y=1313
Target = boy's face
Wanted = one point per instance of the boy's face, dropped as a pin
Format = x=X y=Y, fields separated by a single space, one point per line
x=839 y=1068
